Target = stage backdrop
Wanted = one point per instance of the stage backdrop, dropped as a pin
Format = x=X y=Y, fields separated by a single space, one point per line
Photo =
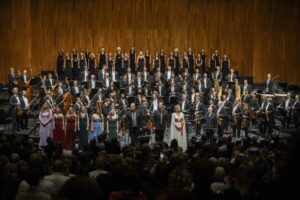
x=260 y=36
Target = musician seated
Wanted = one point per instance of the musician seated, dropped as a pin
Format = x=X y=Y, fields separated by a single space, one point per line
x=200 y=87
x=102 y=72
x=158 y=74
x=86 y=101
x=77 y=105
x=24 y=78
x=246 y=86
x=100 y=95
x=230 y=96
x=139 y=80
x=114 y=75
x=92 y=82
x=268 y=85
x=185 y=87
x=231 y=76
x=198 y=106
x=218 y=75
x=130 y=75
x=154 y=102
x=160 y=88
x=123 y=101
x=147 y=90
x=173 y=89
x=206 y=81
x=184 y=104
x=139 y=97
x=196 y=75
x=106 y=81
x=85 y=75
x=168 y=74
x=75 y=90
x=145 y=74
x=50 y=82
x=286 y=106
x=130 y=90
x=246 y=97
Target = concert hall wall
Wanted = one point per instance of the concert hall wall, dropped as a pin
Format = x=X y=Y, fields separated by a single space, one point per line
x=260 y=36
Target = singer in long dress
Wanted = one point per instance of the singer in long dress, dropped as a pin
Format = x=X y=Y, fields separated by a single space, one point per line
x=46 y=125
x=96 y=126
x=178 y=128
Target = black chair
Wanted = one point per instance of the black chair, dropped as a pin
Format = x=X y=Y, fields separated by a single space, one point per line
x=292 y=87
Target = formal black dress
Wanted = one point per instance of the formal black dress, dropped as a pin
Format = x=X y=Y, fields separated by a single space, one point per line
x=225 y=68
x=76 y=69
x=147 y=58
x=68 y=69
x=102 y=60
x=177 y=63
x=162 y=62
x=125 y=66
x=110 y=63
x=92 y=66
x=81 y=64
x=60 y=66
x=118 y=64
x=141 y=64
x=156 y=65
x=132 y=60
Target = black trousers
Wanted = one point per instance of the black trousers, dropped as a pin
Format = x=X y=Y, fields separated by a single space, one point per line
x=134 y=135
x=159 y=135
x=24 y=119
x=15 y=120
x=236 y=128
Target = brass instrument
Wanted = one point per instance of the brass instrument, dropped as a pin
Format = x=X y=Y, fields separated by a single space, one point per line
x=237 y=90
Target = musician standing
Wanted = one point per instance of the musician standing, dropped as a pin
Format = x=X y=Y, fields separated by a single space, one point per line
x=160 y=119
x=25 y=110
x=296 y=112
x=210 y=122
x=237 y=113
x=132 y=123
x=268 y=85
x=15 y=103
x=287 y=111
x=144 y=117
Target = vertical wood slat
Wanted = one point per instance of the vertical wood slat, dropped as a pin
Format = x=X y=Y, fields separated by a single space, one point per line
x=260 y=36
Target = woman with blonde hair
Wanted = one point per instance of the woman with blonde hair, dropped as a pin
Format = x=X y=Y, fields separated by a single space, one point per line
x=71 y=128
x=178 y=128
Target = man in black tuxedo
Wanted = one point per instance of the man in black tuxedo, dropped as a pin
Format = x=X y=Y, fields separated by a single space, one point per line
x=268 y=85
x=114 y=75
x=160 y=121
x=50 y=82
x=246 y=87
x=102 y=72
x=75 y=90
x=132 y=123
x=210 y=122
x=15 y=103
x=12 y=81
x=143 y=118
x=85 y=75
x=24 y=78
x=25 y=108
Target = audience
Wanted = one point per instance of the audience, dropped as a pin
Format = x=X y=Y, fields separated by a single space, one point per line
x=209 y=169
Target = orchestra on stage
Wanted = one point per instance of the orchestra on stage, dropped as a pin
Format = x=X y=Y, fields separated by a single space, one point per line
x=105 y=96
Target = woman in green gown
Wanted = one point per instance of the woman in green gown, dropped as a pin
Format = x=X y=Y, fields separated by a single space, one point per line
x=83 y=128
x=112 y=124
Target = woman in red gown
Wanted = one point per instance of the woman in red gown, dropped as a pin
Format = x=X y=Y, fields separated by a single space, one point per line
x=70 y=127
x=59 y=127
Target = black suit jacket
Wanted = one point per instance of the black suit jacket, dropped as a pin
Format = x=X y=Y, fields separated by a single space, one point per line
x=211 y=120
x=82 y=76
x=116 y=76
x=160 y=119
x=128 y=119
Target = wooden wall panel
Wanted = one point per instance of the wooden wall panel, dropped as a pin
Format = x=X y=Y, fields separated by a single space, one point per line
x=260 y=36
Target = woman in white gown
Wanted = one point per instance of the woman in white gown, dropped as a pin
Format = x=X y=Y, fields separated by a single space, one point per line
x=178 y=128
